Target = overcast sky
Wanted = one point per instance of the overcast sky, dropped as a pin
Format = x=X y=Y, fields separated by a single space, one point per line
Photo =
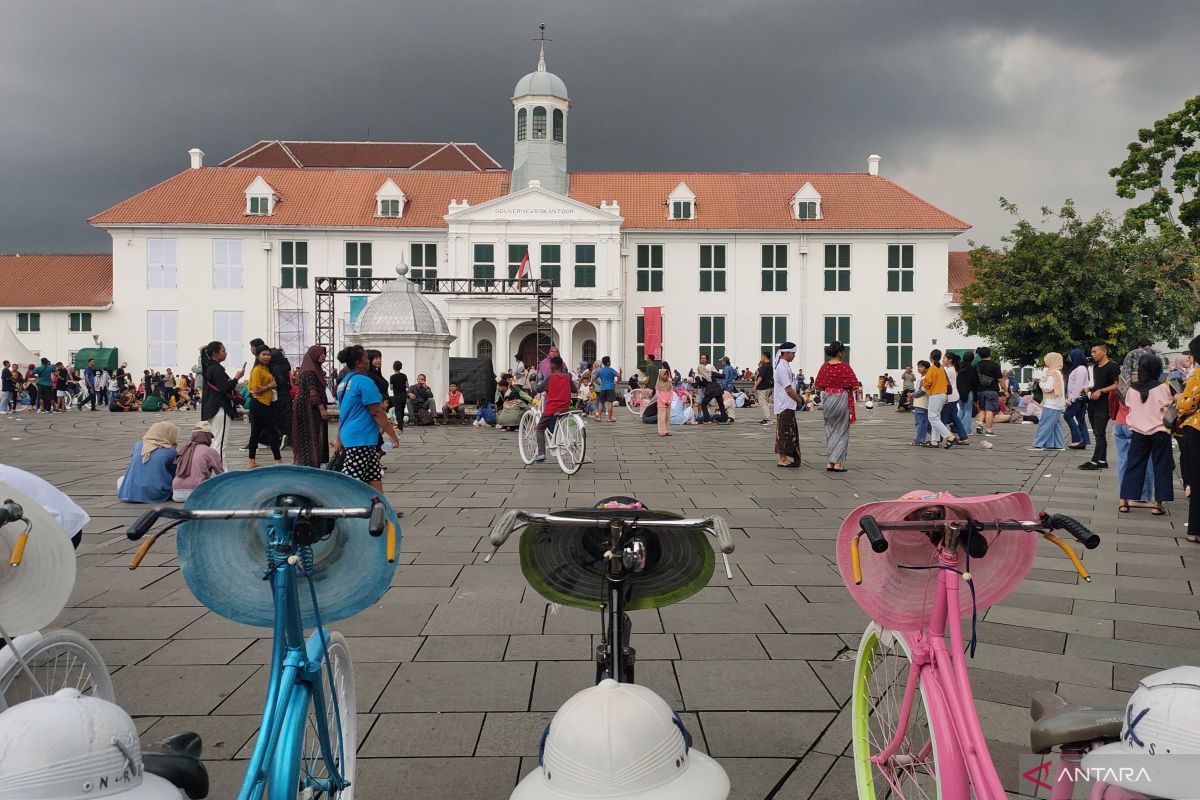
x=966 y=101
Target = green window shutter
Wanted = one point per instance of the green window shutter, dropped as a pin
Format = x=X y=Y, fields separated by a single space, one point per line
x=844 y=256
x=287 y=253
x=906 y=329
x=640 y=326
x=656 y=256
x=705 y=330
x=831 y=256
x=767 y=282
x=417 y=256
x=781 y=257
x=893 y=256
x=907 y=256
x=643 y=281
x=768 y=257
x=780 y=329
x=351 y=254
x=843 y=280
x=781 y=281
x=301 y=277
x=656 y=281
x=706 y=256
x=35 y=322
x=364 y=254
x=831 y=280
x=893 y=329
x=706 y=281
x=643 y=257
x=844 y=330
x=718 y=329
x=551 y=253
x=830 y=329
x=285 y=278
x=767 y=330
x=73 y=321
x=906 y=281
x=719 y=256
x=719 y=281
x=301 y=254
x=893 y=281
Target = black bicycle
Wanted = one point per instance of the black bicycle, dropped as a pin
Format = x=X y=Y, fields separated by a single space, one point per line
x=615 y=558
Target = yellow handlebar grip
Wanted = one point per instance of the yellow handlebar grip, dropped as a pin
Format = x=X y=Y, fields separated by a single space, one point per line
x=856 y=561
x=391 y=543
x=1066 y=548
x=141 y=553
x=18 y=551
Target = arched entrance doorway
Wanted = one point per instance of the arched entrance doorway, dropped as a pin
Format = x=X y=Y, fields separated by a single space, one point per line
x=528 y=350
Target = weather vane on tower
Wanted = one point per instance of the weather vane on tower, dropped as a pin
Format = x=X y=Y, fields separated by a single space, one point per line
x=541 y=39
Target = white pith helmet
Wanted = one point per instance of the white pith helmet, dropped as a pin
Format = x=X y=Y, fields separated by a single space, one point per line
x=71 y=747
x=1160 y=738
x=620 y=740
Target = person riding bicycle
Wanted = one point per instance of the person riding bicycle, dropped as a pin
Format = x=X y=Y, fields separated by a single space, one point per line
x=559 y=389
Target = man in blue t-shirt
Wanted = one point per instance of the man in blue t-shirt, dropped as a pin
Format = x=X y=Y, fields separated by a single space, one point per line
x=606 y=378
x=361 y=419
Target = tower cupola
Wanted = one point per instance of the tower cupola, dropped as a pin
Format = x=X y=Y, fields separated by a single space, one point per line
x=540 y=108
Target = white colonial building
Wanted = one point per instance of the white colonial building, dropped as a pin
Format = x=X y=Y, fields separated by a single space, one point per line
x=736 y=261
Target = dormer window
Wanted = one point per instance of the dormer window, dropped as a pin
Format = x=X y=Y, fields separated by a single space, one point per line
x=682 y=202
x=806 y=203
x=390 y=200
x=260 y=198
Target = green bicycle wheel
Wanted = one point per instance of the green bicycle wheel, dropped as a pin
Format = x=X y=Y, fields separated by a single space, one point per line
x=881 y=672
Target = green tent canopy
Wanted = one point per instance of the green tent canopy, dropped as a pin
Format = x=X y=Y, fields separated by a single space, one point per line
x=106 y=357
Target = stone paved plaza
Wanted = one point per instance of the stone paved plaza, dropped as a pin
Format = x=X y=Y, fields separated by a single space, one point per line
x=460 y=665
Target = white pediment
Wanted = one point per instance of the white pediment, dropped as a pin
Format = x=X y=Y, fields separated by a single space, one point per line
x=681 y=192
x=806 y=192
x=390 y=191
x=259 y=187
x=534 y=204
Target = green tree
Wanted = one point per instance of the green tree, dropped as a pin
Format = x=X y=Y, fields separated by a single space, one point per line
x=1163 y=162
x=1088 y=280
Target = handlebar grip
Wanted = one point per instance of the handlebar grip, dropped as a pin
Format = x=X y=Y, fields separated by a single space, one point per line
x=142 y=525
x=875 y=536
x=1076 y=528
x=10 y=511
x=720 y=529
x=18 y=551
x=503 y=527
x=378 y=520
x=142 y=551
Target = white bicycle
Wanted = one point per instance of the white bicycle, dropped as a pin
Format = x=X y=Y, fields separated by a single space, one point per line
x=566 y=438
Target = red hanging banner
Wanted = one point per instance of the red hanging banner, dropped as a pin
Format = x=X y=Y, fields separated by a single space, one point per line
x=652 y=331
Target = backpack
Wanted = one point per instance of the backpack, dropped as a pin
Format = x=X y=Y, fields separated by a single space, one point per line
x=985 y=381
x=424 y=416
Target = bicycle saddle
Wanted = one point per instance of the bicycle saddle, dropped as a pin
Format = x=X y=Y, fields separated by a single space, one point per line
x=177 y=759
x=565 y=563
x=1058 y=722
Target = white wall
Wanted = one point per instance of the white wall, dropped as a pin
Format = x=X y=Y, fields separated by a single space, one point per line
x=55 y=341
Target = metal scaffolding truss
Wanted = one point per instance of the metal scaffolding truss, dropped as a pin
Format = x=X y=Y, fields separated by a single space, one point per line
x=541 y=290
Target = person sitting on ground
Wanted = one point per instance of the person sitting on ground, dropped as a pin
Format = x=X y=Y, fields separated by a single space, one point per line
x=558 y=388
x=453 y=406
x=420 y=396
x=512 y=402
x=123 y=400
x=151 y=467
x=197 y=462
x=152 y=403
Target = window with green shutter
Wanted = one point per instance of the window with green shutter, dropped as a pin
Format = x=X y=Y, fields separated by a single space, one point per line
x=79 y=321
x=837 y=329
x=293 y=260
x=899 y=342
x=424 y=264
x=900 y=268
x=483 y=268
x=712 y=338
x=29 y=322
x=516 y=254
x=640 y=336
x=774 y=333
x=551 y=264
x=585 y=266
x=712 y=267
x=681 y=209
x=649 y=267
x=774 y=268
x=837 y=267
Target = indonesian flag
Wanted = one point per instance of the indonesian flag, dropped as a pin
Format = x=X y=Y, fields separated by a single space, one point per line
x=521 y=270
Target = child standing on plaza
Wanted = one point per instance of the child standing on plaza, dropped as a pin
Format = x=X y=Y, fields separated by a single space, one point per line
x=920 y=409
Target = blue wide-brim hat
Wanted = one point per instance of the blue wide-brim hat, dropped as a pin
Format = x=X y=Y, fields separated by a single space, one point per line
x=224 y=561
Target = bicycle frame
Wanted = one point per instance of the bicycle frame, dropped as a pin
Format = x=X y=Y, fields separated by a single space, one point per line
x=295 y=681
x=964 y=761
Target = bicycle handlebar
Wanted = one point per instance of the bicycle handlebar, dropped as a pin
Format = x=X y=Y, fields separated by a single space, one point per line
x=376 y=513
x=1076 y=528
x=507 y=522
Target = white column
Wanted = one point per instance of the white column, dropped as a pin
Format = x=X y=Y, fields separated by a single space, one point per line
x=564 y=343
x=462 y=330
x=501 y=355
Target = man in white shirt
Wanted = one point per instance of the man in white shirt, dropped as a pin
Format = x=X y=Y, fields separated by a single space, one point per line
x=787 y=437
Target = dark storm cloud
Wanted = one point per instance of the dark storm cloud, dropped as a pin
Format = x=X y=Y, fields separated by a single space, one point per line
x=965 y=101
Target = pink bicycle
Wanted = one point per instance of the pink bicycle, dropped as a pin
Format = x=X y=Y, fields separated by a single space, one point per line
x=915 y=729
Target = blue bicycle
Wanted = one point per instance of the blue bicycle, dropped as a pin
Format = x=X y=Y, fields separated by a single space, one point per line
x=250 y=543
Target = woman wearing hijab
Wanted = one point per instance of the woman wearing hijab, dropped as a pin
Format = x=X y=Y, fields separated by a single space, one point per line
x=787 y=437
x=151 y=467
x=837 y=382
x=197 y=462
x=1054 y=403
x=310 y=417
x=1150 y=441
x=1187 y=403
x=1078 y=381
x=544 y=364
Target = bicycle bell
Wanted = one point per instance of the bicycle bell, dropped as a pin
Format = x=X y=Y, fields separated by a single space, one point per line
x=633 y=556
x=71 y=747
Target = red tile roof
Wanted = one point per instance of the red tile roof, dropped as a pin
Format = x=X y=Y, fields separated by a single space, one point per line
x=959 y=273
x=56 y=280
x=346 y=198
x=364 y=155
x=753 y=200
x=307 y=197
